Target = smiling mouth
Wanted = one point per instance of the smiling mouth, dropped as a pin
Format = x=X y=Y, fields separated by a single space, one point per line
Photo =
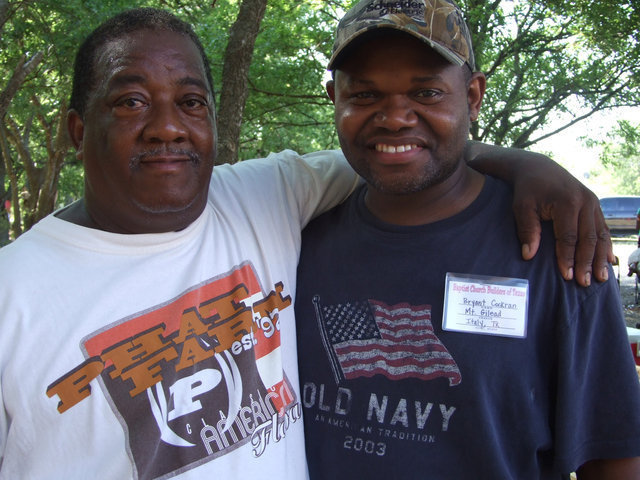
x=384 y=148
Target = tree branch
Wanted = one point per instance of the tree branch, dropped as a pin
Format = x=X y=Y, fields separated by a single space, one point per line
x=22 y=70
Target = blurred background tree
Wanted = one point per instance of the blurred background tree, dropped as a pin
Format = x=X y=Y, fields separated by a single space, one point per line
x=550 y=65
x=620 y=157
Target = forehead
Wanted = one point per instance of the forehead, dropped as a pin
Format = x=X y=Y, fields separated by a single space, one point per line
x=165 y=51
x=387 y=50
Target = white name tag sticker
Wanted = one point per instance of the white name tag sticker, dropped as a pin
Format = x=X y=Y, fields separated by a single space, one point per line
x=486 y=305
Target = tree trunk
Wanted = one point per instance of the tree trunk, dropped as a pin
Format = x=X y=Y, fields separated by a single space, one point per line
x=4 y=196
x=4 y=14
x=37 y=198
x=57 y=136
x=15 y=227
x=235 y=76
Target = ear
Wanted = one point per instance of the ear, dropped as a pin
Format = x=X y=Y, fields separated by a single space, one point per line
x=75 y=128
x=331 y=90
x=475 y=94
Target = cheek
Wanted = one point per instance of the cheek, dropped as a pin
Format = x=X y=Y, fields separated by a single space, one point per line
x=349 y=123
x=107 y=153
x=110 y=135
x=203 y=136
x=449 y=124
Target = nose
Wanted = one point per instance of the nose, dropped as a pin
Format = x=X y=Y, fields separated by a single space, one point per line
x=396 y=113
x=164 y=124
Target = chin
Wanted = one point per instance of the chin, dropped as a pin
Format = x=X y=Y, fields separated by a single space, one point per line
x=402 y=185
x=169 y=206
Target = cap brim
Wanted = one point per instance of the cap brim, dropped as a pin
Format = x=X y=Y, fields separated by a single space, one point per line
x=445 y=52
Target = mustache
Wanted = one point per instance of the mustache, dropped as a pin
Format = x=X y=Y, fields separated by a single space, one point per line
x=136 y=159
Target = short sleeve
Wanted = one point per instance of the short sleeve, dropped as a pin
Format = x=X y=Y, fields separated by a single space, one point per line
x=598 y=395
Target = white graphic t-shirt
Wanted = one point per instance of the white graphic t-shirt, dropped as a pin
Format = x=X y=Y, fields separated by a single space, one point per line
x=163 y=355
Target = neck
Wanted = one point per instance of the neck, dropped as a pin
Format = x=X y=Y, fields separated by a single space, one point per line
x=77 y=213
x=430 y=205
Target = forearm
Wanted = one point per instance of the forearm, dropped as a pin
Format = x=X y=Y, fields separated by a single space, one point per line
x=543 y=190
x=501 y=162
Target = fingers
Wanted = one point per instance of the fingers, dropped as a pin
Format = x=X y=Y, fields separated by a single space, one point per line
x=528 y=227
x=585 y=248
x=604 y=249
x=566 y=218
x=583 y=242
x=595 y=250
x=545 y=191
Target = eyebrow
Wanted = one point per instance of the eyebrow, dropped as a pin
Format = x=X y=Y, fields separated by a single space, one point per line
x=196 y=82
x=128 y=79
x=427 y=78
x=122 y=80
x=351 y=81
x=354 y=82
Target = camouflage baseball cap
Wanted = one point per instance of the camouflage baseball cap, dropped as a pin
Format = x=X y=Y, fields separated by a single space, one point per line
x=438 y=23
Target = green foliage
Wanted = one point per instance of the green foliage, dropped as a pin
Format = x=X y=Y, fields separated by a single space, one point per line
x=620 y=156
x=4 y=229
x=560 y=61
x=71 y=183
x=287 y=106
x=544 y=61
x=34 y=27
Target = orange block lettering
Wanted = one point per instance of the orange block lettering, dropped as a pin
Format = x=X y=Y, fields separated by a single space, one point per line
x=74 y=386
x=192 y=353
x=272 y=301
x=138 y=359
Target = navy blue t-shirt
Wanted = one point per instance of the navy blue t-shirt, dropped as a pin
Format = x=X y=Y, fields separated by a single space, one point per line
x=388 y=394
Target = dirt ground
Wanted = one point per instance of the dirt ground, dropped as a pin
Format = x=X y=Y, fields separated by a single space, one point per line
x=622 y=248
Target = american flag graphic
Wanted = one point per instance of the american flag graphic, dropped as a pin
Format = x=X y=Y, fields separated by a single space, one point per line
x=368 y=338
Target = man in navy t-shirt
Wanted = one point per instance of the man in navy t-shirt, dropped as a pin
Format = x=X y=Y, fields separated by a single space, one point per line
x=428 y=348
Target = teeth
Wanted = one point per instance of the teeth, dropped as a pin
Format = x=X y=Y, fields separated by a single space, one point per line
x=394 y=149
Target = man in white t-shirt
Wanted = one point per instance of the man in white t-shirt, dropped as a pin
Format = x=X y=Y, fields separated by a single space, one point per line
x=147 y=330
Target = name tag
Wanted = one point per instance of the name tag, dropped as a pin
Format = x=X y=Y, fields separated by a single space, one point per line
x=486 y=305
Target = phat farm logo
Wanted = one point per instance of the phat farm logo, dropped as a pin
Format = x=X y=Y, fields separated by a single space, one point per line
x=408 y=7
x=194 y=378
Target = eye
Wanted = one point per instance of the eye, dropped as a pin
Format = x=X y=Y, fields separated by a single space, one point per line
x=427 y=95
x=130 y=102
x=195 y=104
x=364 y=97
